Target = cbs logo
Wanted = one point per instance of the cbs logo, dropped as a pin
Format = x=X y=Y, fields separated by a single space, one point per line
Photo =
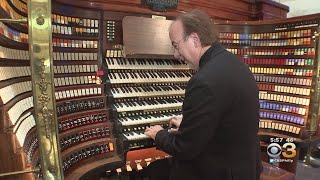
x=275 y=150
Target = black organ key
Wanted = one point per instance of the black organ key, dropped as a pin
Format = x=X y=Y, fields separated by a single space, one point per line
x=112 y=61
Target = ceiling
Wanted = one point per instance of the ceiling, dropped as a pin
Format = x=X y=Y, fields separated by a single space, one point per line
x=301 y=7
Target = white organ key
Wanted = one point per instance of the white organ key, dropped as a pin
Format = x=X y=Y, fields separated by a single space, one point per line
x=148 y=160
x=147 y=105
x=130 y=94
x=139 y=167
x=167 y=76
x=117 y=78
x=119 y=170
x=135 y=136
x=123 y=63
x=110 y=77
x=110 y=62
x=128 y=167
x=147 y=77
x=127 y=121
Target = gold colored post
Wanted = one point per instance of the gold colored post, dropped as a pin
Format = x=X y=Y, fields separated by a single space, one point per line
x=19 y=172
x=14 y=20
x=40 y=40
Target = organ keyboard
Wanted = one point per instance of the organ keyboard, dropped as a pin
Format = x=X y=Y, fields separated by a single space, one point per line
x=148 y=77
x=147 y=119
x=125 y=63
x=144 y=92
x=149 y=104
x=147 y=91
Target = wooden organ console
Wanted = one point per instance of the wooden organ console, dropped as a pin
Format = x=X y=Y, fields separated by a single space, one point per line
x=107 y=93
x=144 y=92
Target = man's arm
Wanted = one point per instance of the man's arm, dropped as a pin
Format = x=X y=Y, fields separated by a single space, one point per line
x=201 y=115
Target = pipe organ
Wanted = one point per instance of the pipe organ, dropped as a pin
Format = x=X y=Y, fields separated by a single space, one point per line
x=113 y=77
x=144 y=92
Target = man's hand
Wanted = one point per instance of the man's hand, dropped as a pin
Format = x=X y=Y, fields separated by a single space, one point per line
x=152 y=131
x=174 y=121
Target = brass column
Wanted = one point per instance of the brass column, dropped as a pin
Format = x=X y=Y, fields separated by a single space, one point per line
x=40 y=40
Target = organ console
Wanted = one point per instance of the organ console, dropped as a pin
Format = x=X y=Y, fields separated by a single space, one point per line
x=144 y=92
x=110 y=84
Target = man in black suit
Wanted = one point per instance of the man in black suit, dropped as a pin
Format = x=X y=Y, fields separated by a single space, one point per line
x=217 y=136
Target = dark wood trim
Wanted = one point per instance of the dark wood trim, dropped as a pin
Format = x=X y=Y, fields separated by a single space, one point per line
x=232 y=10
x=19 y=97
x=84 y=145
x=99 y=163
x=3 y=119
x=31 y=132
x=271 y=22
x=102 y=42
x=74 y=62
x=60 y=102
x=35 y=154
x=266 y=38
x=59 y=7
x=86 y=127
x=76 y=25
x=84 y=113
x=262 y=13
x=118 y=16
x=281 y=75
x=12 y=160
x=16 y=9
x=23 y=2
x=93 y=163
x=246 y=28
x=10 y=125
x=16 y=26
x=18 y=123
x=267 y=133
x=74 y=37
x=281 y=66
x=74 y=74
x=274 y=3
x=284 y=84
x=4 y=62
x=218 y=9
x=9 y=43
x=75 y=50
x=277 y=56
x=11 y=81
x=267 y=47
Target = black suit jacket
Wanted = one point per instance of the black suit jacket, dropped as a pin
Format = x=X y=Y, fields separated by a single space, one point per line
x=217 y=138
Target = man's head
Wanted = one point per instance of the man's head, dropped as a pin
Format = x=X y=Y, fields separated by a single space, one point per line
x=191 y=35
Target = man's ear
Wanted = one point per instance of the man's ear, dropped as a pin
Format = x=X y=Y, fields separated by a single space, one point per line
x=195 y=39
